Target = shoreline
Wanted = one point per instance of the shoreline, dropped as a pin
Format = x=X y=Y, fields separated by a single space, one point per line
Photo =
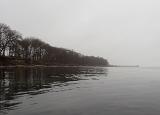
x=45 y=66
x=36 y=66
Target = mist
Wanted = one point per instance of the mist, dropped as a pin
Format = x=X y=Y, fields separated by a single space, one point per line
x=122 y=31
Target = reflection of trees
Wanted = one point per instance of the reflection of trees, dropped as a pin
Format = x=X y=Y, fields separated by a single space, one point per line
x=19 y=81
x=16 y=82
x=2 y=84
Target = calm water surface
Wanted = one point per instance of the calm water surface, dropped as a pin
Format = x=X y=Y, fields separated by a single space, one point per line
x=79 y=91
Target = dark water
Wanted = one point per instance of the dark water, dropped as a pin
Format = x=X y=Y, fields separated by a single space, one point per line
x=79 y=91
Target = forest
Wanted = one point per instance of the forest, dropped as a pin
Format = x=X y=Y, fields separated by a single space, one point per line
x=14 y=49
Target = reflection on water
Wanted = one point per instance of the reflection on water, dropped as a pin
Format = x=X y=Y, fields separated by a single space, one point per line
x=79 y=91
x=17 y=82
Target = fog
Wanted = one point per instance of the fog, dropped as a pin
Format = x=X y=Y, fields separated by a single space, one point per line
x=126 y=32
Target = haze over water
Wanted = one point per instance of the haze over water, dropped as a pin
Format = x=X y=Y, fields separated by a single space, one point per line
x=126 y=32
x=79 y=90
x=41 y=41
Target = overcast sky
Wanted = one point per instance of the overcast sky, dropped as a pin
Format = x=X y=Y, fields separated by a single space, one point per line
x=126 y=32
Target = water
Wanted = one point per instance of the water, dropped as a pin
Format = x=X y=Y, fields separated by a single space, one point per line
x=79 y=91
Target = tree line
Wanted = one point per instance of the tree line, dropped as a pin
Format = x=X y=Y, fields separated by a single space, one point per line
x=35 y=51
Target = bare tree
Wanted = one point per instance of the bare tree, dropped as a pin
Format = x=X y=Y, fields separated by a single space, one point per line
x=14 y=48
x=38 y=52
x=4 y=38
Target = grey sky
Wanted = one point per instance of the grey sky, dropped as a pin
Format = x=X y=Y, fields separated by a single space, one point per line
x=123 y=31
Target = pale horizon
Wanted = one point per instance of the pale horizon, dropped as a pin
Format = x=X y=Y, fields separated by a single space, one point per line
x=124 y=32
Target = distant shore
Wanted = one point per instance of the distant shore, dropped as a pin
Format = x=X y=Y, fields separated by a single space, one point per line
x=40 y=66
x=36 y=66
x=17 y=50
x=124 y=65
